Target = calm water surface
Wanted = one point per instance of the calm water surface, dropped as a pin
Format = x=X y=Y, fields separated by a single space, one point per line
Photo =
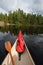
x=33 y=42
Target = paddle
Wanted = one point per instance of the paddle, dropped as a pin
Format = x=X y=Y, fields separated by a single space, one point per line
x=8 y=48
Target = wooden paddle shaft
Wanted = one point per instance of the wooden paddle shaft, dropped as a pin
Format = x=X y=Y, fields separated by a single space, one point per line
x=13 y=63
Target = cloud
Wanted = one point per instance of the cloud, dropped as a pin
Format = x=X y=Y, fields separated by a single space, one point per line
x=8 y=4
x=2 y=11
x=35 y=6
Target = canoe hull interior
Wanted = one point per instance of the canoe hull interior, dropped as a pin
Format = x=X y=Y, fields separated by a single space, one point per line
x=26 y=58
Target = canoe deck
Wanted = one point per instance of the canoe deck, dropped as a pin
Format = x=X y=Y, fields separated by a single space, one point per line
x=25 y=58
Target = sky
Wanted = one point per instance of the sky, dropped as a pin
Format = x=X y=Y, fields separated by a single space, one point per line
x=28 y=6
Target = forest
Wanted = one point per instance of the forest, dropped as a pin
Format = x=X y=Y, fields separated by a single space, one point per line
x=29 y=23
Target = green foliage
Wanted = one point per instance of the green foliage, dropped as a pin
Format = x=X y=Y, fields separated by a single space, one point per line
x=28 y=23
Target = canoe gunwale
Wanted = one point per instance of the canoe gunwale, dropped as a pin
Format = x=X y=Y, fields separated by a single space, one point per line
x=27 y=51
x=31 y=59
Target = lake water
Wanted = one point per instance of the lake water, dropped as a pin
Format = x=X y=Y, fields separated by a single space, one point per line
x=34 y=44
